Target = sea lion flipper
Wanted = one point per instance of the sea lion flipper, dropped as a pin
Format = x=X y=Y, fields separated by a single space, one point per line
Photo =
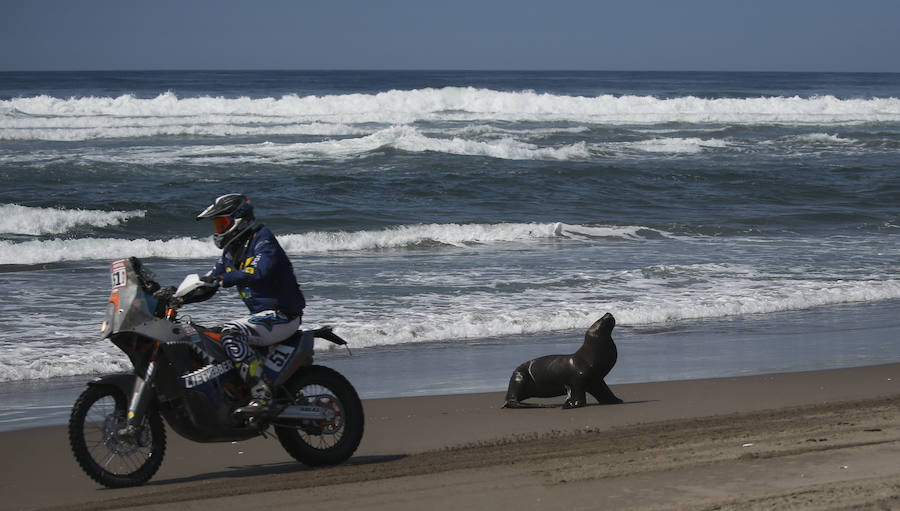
x=576 y=397
x=519 y=404
x=603 y=394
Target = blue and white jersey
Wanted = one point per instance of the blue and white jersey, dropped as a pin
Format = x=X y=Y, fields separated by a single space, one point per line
x=264 y=276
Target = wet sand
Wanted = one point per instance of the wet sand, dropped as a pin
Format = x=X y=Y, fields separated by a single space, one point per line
x=812 y=440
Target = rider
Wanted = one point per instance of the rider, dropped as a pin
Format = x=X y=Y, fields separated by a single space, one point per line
x=253 y=260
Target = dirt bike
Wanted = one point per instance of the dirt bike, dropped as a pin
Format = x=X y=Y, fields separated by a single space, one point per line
x=183 y=375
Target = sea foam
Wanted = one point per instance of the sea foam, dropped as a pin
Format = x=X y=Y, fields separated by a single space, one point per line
x=675 y=145
x=49 y=118
x=16 y=219
x=498 y=315
x=490 y=316
x=460 y=235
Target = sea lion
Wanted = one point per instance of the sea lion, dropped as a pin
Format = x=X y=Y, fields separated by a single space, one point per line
x=573 y=375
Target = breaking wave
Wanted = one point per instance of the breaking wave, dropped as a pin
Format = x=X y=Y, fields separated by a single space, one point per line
x=50 y=118
x=16 y=219
x=406 y=236
x=484 y=315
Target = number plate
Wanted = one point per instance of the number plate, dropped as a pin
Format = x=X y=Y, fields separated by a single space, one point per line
x=278 y=357
x=117 y=274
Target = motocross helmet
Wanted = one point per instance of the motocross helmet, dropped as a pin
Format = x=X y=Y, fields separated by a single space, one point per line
x=232 y=218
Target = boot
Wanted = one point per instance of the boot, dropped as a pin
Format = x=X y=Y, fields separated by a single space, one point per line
x=260 y=404
x=261 y=395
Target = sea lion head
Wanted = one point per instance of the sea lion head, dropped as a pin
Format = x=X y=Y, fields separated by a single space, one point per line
x=602 y=328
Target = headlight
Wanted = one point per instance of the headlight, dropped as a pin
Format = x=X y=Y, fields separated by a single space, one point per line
x=108 y=317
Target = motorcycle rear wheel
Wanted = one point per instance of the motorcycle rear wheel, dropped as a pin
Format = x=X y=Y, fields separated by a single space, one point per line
x=323 y=443
x=98 y=413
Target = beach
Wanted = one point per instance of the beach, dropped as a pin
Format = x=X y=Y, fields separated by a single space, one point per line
x=807 y=440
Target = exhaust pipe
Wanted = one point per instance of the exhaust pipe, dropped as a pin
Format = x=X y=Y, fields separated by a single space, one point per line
x=299 y=412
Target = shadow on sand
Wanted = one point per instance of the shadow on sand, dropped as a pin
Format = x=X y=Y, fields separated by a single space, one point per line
x=270 y=469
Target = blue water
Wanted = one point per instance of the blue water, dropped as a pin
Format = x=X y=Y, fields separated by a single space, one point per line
x=429 y=212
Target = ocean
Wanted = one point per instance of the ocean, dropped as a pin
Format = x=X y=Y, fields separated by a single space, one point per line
x=452 y=224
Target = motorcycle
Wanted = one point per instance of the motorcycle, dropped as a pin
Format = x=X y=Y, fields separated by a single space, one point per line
x=183 y=375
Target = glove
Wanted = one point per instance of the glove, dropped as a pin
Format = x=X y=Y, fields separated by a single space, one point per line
x=209 y=279
x=164 y=293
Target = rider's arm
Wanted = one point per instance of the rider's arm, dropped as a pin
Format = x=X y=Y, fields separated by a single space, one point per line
x=259 y=267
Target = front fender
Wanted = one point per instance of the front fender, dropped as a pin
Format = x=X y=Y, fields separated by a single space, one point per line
x=122 y=381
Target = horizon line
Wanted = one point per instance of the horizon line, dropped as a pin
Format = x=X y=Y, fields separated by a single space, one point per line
x=429 y=70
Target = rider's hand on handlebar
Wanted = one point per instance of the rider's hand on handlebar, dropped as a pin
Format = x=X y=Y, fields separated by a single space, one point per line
x=164 y=293
x=209 y=279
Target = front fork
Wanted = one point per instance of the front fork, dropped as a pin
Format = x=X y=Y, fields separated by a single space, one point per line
x=140 y=400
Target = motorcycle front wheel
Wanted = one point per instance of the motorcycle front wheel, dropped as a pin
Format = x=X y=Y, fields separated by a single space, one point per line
x=108 y=458
x=323 y=442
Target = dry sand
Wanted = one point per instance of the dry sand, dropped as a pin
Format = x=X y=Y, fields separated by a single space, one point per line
x=813 y=440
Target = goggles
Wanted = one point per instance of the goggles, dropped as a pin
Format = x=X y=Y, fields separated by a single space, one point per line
x=222 y=223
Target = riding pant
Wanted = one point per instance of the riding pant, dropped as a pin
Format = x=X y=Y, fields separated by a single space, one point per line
x=261 y=329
